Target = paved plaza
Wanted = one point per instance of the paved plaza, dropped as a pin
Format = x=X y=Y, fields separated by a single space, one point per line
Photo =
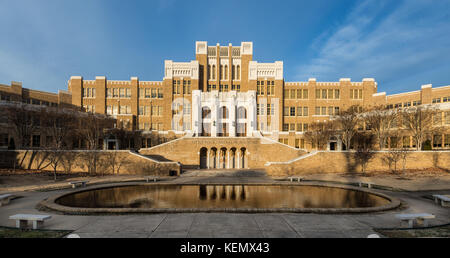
x=224 y=225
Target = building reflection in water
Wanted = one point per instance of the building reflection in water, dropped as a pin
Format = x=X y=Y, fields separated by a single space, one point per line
x=222 y=192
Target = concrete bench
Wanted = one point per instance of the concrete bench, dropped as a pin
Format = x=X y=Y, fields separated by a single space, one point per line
x=78 y=183
x=5 y=198
x=443 y=199
x=22 y=220
x=369 y=184
x=151 y=178
x=411 y=218
x=295 y=178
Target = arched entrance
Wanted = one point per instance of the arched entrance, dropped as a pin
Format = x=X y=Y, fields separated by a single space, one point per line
x=233 y=158
x=242 y=161
x=213 y=158
x=223 y=158
x=203 y=158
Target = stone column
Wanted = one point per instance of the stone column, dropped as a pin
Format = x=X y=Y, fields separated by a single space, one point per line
x=238 y=159
x=208 y=153
x=228 y=159
x=196 y=112
x=214 y=112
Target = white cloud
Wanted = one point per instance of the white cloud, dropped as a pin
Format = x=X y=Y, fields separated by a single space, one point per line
x=390 y=43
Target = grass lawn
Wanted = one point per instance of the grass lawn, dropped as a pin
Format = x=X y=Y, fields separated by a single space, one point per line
x=28 y=233
x=443 y=231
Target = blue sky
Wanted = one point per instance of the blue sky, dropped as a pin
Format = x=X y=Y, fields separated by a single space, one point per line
x=402 y=44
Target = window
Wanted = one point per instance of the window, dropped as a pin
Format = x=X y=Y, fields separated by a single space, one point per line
x=286 y=111
x=447 y=140
x=305 y=94
x=292 y=94
x=356 y=94
x=330 y=94
x=437 y=141
x=122 y=92
x=299 y=111
x=291 y=127
x=187 y=109
x=305 y=111
x=324 y=111
x=141 y=110
x=285 y=127
x=292 y=111
x=336 y=94
x=447 y=117
x=324 y=94
x=336 y=111
x=153 y=93
x=305 y=127
x=317 y=113
x=286 y=94
x=109 y=110
x=317 y=94
x=36 y=141
x=299 y=127
x=437 y=100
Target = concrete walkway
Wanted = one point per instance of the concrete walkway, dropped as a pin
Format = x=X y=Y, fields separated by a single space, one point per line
x=221 y=225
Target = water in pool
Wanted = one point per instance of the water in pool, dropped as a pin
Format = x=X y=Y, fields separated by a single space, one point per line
x=222 y=196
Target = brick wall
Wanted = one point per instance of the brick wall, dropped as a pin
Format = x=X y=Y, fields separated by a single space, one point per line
x=129 y=162
x=341 y=162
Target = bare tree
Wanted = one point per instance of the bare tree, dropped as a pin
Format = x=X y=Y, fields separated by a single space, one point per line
x=91 y=128
x=24 y=120
x=363 y=143
x=379 y=120
x=59 y=125
x=419 y=122
x=319 y=133
x=347 y=122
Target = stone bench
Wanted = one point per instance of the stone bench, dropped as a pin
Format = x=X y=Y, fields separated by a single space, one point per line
x=22 y=220
x=295 y=178
x=5 y=198
x=443 y=199
x=369 y=184
x=78 y=183
x=411 y=218
x=151 y=178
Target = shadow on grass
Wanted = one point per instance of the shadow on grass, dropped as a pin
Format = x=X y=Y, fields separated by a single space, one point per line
x=438 y=231
x=6 y=232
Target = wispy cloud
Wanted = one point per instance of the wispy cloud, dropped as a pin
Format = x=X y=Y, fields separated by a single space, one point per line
x=393 y=43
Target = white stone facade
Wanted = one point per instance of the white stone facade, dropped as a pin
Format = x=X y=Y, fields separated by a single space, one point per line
x=230 y=113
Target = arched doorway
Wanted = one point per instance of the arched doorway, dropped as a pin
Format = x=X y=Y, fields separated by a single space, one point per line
x=242 y=157
x=203 y=158
x=213 y=158
x=233 y=158
x=223 y=158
